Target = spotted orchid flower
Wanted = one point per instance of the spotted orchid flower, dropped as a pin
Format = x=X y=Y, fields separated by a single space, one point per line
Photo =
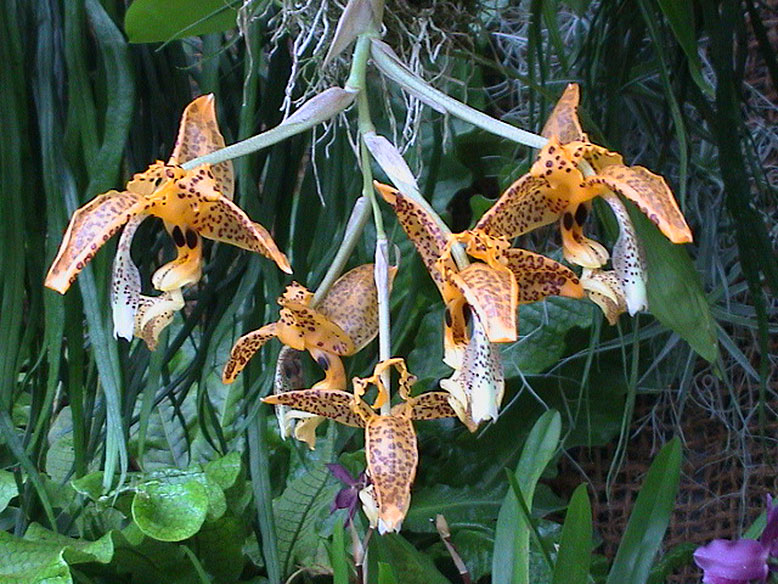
x=192 y=203
x=483 y=297
x=493 y=286
x=556 y=189
x=390 y=440
x=341 y=325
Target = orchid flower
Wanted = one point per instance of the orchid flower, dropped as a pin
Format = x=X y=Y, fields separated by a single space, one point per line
x=556 y=189
x=192 y=203
x=741 y=561
x=486 y=294
x=341 y=325
x=390 y=440
x=349 y=496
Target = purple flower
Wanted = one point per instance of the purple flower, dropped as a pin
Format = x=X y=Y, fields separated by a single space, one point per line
x=348 y=496
x=741 y=561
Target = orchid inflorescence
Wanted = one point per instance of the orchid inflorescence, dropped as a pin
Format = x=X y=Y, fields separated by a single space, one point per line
x=481 y=276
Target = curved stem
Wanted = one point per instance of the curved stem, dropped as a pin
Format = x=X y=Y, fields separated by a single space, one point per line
x=391 y=66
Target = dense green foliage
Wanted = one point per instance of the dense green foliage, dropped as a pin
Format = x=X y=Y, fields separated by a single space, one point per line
x=123 y=465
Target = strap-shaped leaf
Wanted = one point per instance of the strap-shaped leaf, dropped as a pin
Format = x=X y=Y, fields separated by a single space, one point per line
x=651 y=194
x=392 y=456
x=333 y=404
x=494 y=296
x=563 y=121
x=244 y=350
x=89 y=228
x=198 y=134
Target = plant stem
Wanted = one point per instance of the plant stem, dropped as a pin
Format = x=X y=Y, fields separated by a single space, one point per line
x=356 y=81
x=391 y=66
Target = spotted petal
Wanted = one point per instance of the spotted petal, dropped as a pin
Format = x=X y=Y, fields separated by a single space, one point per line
x=604 y=289
x=628 y=261
x=538 y=276
x=302 y=327
x=478 y=386
x=563 y=121
x=198 y=134
x=334 y=404
x=392 y=456
x=528 y=203
x=431 y=405
x=244 y=350
x=352 y=304
x=576 y=247
x=154 y=314
x=650 y=193
x=125 y=283
x=187 y=268
x=493 y=294
x=90 y=227
x=420 y=228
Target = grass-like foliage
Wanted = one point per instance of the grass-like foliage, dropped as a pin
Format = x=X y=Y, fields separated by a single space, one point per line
x=366 y=146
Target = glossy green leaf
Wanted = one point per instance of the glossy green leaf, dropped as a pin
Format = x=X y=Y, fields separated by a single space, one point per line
x=466 y=506
x=675 y=294
x=150 y=21
x=170 y=511
x=649 y=518
x=574 y=554
x=510 y=562
x=407 y=564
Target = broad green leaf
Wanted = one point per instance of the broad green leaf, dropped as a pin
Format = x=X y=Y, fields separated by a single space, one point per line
x=542 y=329
x=675 y=294
x=409 y=565
x=224 y=471
x=220 y=548
x=151 y=21
x=170 y=511
x=299 y=511
x=462 y=507
x=575 y=547
x=60 y=455
x=649 y=518
x=475 y=547
x=8 y=488
x=43 y=556
x=385 y=574
x=510 y=562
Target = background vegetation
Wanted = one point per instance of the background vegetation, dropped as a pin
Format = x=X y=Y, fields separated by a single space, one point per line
x=204 y=489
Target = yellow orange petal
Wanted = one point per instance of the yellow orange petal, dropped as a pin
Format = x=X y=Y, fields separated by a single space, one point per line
x=198 y=134
x=392 y=456
x=577 y=248
x=244 y=350
x=431 y=405
x=330 y=403
x=154 y=314
x=335 y=374
x=302 y=327
x=494 y=295
x=420 y=228
x=187 y=268
x=538 y=276
x=563 y=122
x=651 y=194
x=604 y=289
x=89 y=228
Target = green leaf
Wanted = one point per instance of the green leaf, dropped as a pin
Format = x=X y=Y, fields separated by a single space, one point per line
x=43 y=556
x=466 y=506
x=300 y=509
x=224 y=471
x=675 y=294
x=649 y=518
x=475 y=547
x=385 y=574
x=8 y=488
x=510 y=562
x=574 y=555
x=170 y=511
x=680 y=15
x=150 y=21
x=220 y=548
x=408 y=565
x=338 y=555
